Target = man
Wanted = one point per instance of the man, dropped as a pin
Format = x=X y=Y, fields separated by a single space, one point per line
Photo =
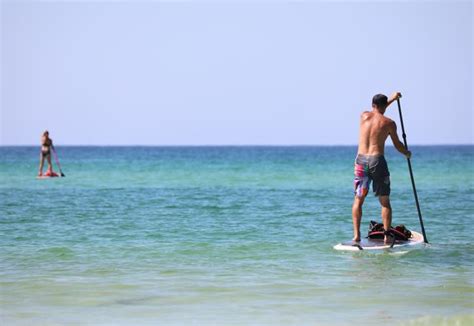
x=370 y=164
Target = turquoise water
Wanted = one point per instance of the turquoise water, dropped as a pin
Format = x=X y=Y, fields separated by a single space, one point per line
x=228 y=236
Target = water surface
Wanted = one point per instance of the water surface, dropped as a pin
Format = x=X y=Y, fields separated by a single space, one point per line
x=228 y=236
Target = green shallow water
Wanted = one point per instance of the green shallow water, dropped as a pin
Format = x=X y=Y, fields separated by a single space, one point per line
x=228 y=236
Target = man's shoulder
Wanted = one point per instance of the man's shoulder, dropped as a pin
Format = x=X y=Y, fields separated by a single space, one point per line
x=388 y=120
x=389 y=124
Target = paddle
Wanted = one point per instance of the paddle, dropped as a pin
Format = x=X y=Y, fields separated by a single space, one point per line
x=411 y=173
x=57 y=161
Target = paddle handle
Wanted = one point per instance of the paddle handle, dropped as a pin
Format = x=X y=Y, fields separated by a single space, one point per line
x=425 y=239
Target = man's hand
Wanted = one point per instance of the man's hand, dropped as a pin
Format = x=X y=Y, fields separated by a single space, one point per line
x=395 y=96
x=408 y=154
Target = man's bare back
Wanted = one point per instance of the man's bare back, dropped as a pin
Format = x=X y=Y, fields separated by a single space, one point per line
x=374 y=130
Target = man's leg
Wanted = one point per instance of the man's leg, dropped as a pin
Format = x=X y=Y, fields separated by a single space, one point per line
x=357 y=216
x=386 y=214
x=40 y=172
x=50 y=165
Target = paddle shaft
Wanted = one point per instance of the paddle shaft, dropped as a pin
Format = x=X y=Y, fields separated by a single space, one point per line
x=411 y=173
x=57 y=162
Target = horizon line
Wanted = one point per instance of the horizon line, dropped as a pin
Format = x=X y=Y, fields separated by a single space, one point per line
x=226 y=145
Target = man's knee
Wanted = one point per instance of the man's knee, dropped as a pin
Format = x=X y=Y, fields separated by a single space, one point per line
x=385 y=202
x=358 y=201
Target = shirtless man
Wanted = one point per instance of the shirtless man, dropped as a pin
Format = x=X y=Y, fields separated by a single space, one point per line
x=370 y=164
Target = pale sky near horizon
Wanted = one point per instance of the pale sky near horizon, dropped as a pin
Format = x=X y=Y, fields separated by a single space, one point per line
x=232 y=73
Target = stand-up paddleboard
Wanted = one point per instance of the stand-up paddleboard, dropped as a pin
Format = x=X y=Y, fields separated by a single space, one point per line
x=378 y=244
x=48 y=175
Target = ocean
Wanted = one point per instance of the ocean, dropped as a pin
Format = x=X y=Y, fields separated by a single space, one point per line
x=229 y=236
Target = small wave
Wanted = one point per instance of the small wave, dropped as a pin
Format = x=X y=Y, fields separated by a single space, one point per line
x=61 y=252
x=458 y=320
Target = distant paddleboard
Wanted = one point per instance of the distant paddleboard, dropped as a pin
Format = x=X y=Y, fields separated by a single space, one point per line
x=378 y=244
x=48 y=175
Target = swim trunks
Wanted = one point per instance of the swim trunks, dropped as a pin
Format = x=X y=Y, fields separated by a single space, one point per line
x=45 y=153
x=371 y=168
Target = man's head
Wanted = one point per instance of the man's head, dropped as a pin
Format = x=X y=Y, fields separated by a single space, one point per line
x=379 y=102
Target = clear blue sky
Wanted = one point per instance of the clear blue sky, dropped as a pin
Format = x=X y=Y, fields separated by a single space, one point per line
x=163 y=73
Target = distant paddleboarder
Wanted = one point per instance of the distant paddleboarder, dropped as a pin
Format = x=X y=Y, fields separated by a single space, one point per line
x=370 y=164
x=46 y=145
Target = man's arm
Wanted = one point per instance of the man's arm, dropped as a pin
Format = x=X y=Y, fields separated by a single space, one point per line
x=395 y=96
x=396 y=141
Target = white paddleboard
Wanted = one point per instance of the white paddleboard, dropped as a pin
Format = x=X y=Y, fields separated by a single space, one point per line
x=378 y=244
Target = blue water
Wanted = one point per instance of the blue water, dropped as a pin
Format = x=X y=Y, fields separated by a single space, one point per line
x=228 y=236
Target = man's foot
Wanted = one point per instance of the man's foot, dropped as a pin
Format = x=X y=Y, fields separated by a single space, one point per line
x=356 y=239
x=388 y=239
x=40 y=174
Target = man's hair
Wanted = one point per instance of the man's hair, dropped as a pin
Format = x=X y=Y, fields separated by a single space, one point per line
x=379 y=101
